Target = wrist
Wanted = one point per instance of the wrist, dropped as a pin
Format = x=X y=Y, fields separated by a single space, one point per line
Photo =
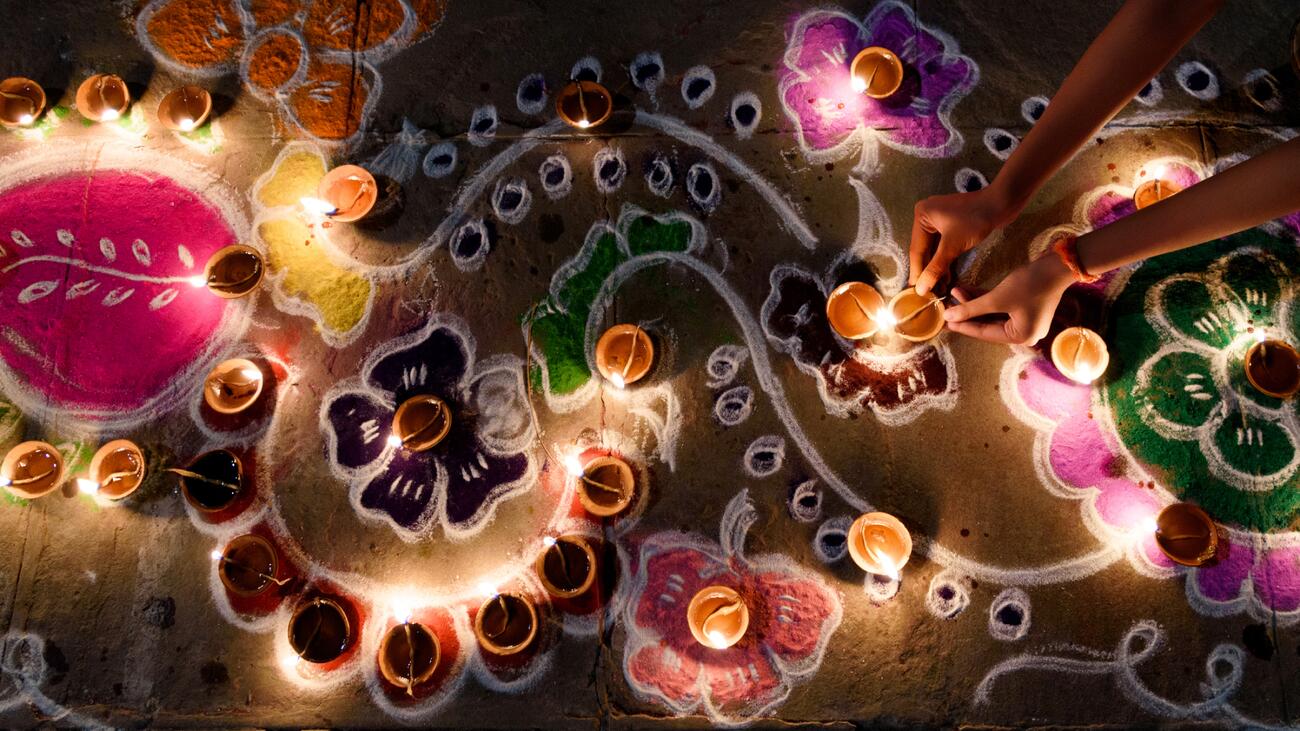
x=1007 y=201
x=1049 y=268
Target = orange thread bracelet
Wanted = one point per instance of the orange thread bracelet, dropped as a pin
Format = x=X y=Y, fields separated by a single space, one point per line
x=1066 y=247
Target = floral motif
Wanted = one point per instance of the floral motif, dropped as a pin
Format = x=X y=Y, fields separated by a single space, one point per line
x=792 y=617
x=459 y=482
x=897 y=387
x=832 y=119
x=315 y=59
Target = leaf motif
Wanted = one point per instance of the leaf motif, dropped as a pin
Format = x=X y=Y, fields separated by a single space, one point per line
x=141 y=251
x=117 y=296
x=66 y=238
x=107 y=248
x=21 y=239
x=82 y=288
x=185 y=256
x=37 y=290
x=163 y=299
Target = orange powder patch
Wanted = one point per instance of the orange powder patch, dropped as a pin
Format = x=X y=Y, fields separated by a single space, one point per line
x=197 y=33
x=330 y=102
x=274 y=60
x=345 y=25
x=273 y=12
x=428 y=13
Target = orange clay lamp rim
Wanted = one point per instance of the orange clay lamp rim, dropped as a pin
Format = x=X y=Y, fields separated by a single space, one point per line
x=856 y=536
x=407 y=679
x=187 y=473
x=18 y=487
x=425 y=436
x=1206 y=554
x=9 y=89
x=487 y=643
x=856 y=292
x=625 y=490
x=95 y=85
x=581 y=88
x=641 y=343
x=1070 y=369
x=241 y=287
x=103 y=481
x=1151 y=192
x=735 y=605
x=180 y=96
x=246 y=401
x=588 y=581
x=913 y=313
x=334 y=605
x=1259 y=350
x=362 y=202
x=269 y=579
x=883 y=56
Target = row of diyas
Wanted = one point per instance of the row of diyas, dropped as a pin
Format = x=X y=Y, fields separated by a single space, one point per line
x=103 y=98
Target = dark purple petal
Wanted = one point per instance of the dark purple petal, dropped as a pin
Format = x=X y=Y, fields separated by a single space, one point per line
x=406 y=490
x=824 y=40
x=795 y=313
x=432 y=364
x=892 y=26
x=360 y=426
x=476 y=478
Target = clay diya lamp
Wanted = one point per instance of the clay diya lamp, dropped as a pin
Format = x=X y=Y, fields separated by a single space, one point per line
x=248 y=565
x=915 y=317
x=32 y=469
x=103 y=98
x=584 y=104
x=345 y=194
x=233 y=271
x=852 y=309
x=116 y=470
x=185 y=109
x=408 y=656
x=606 y=485
x=880 y=544
x=213 y=481
x=1273 y=368
x=420 y=423
x=506 y=624
x=1187 y=534
x=320 y=631
x=624 y=354
x=1153 y=191
x=233 y=386
x=1080 y=354
x=21 y=102
x=718 y=617
x=567 y=568
x=877 y=72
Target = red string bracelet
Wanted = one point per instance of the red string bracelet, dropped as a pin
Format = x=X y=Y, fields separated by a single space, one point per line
x=1066 y=247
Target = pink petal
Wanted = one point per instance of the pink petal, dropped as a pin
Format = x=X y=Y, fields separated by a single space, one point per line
x=1124 y=505
x=794 y=615
x=673 y=576
x=1050 y=394
x=1080 y=454
x=1222 y=581
x=672 y=674
x=740 y=674
x=1277 y=578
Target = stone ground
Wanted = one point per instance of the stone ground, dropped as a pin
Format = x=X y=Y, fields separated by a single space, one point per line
x=112 y=614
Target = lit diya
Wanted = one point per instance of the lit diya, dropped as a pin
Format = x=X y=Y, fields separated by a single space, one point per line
x=852 y=309
x=1153 y=191
x=1273 y=368
x=233 y=386
x=915 y=317
x=408 y=655
x=32 y=469
x=103 y=98
x=1186 y=534
x=233 y=271
x=880 y=544
x=116 y=470
x=185 y=109
x=345 y=194
x=420 y=423
x=21 y=101
x=212 y=481
x=584 y=104
x=506 y=624
x=248 y=565
x=877 y=72
x=1080 y=354
x=624 y=354
x=718 y=617
x=567 y=567
x=319 y=630
x=606 y=484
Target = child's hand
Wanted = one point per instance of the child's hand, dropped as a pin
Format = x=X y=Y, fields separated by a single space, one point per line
x=1017 y=311
x=946 y=226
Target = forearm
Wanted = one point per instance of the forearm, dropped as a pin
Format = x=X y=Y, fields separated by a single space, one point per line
x=1258 y=190
x=1142 y=37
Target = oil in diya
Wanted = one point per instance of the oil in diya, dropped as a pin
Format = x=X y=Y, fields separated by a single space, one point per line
x=880 y=544
x=1273 y=368
x=506 y=624
x=718 y=617
x=103 y=98
x=212 y=481
x=1155 y=190
x=408 y=655
x=584 y=104
x=1080 y=354
x=877 y=72
x=420 y=423
x=606 y=484
x=185 y=109
x=116 y=470
x=232 y=272
x=624 y=354
x=567 y=567
x=32 y=469
x=345 y=194
x=320 y=631
x=1187 y=534
x=248 y=565
x=914 y=316
x=21 y=101
x=852 y=310
x=233 y=386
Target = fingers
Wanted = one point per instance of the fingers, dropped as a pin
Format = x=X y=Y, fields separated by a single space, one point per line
x=943 y=257
x=1001 y=331
x=969 y=308
x=922 y=244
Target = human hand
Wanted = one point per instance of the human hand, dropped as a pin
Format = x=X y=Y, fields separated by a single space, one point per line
x=1019 y=310
x=946 y=226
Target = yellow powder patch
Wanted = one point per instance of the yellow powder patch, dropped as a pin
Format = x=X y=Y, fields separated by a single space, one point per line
x=338 y=295
x=295 y=177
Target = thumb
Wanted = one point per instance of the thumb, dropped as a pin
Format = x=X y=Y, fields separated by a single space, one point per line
x=944 y=256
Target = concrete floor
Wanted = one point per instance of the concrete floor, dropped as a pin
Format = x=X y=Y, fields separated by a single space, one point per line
x=113 y=615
